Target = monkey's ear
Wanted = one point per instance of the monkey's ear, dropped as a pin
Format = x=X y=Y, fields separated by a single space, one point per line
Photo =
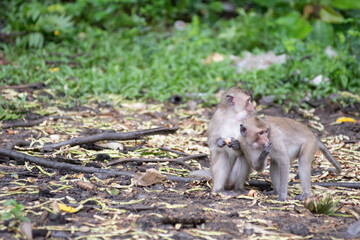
x=243 y=130
x=230 y=100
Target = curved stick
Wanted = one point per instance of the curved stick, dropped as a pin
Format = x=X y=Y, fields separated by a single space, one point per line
x=109 y=136
x=65 y=166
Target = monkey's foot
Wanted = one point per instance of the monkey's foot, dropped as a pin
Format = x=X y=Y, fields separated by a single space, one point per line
x=302 y=197
x=281 y=199
x=269 y=193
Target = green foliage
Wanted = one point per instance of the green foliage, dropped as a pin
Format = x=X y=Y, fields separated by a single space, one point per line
x=34 y=22
x=12 y=109
x=112 y=15
x=15 y=213
x=293 y=25
x=249 y=31
x=319 y=205
x=130 y=47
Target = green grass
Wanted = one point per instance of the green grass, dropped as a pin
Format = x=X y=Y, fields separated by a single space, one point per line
x=158 y=64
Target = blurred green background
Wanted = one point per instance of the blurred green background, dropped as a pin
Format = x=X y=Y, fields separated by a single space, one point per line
x=143 y=49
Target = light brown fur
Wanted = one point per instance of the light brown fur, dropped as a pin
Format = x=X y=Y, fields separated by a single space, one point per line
x=290 y=140
x=227 y=171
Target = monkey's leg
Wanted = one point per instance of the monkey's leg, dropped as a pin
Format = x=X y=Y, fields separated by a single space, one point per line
x=306 y=157
x=284 y=168
x=275 y=177
x=240 y=173
x=221 y=170
x=279 y=172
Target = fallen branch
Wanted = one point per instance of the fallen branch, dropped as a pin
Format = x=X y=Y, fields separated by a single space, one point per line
x=18 y=142
x=70 y=167
x=176 y=160
x=265 y=185
x=174 y=151
x=109 y=136
x=30 y=123
x=70 y=63
x=37 y=85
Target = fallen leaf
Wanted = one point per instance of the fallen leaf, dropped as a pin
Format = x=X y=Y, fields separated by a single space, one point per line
x=151 y=176
x=251 y=193
x=84 y=229
x=56 y=69
x=86 y=185
x=26 y=229
x=214 y=57
x=345 y=119
x=66 y=208
x=261 y=61
x=110 y=145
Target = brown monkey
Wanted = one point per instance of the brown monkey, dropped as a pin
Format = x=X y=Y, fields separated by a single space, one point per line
x=290 y=140
x=227 y=170
x=353 y=231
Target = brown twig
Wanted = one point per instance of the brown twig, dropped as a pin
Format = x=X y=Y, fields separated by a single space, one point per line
x=70 y=63
x=109 y=136
x=70 y=167
x=264 y=185
x=174 y=151
x=30 y=123
x=130 y=208
x=25 y=86
x=176 y=160
x=17 y=142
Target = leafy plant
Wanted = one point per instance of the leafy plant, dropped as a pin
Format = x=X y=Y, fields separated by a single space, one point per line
x=10 y=110
x=33 y=23
x=320 y=205
x=15 y=213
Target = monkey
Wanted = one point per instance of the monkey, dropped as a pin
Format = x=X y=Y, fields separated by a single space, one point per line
x=288 y=140
x=353 y=230
x=228 y=169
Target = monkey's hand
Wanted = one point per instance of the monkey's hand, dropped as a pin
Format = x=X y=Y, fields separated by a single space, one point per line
x=220 y=142
x=234 y=144
x=265 y=152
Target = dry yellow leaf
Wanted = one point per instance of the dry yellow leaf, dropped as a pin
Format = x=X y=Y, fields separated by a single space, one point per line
x=345 y=119
x=66 y=208
x=55 y=69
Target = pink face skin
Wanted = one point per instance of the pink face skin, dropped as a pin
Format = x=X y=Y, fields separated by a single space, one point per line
x=249 y=107
x=243 y=106
x=261 y=139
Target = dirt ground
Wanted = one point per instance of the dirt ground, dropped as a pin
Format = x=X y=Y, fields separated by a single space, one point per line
x=73 y=205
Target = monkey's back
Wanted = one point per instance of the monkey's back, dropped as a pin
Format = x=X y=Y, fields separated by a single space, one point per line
x=291 y=133
x=290 y=126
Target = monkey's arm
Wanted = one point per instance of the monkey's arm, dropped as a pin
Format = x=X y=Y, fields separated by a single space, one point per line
x=261 y=162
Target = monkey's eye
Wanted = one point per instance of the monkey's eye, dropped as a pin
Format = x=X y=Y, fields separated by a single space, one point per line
x=262 y=132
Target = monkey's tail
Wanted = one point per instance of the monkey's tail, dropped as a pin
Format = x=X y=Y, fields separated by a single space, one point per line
x=203 y=173
x=328 y=155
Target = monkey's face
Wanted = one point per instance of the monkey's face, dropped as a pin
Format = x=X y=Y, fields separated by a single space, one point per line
x=262 y=138
x=256 y=132
x=243 y=106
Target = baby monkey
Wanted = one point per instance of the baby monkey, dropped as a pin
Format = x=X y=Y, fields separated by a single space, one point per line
x=286 y=139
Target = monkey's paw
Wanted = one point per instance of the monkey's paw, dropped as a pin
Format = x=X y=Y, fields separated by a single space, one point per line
x=268 y=147
x=302 y=197
x=220 y=142
x=234 y=144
